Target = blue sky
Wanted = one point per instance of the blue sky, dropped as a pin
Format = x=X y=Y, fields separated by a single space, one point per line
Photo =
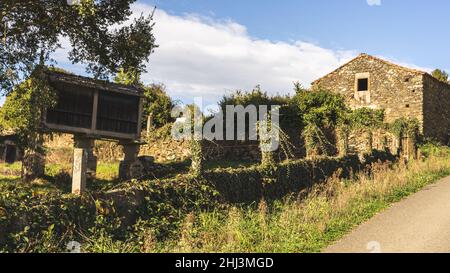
x=209 y=48
x=409 y=30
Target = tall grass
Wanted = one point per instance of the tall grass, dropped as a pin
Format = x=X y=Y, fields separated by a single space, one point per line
x=308 y=222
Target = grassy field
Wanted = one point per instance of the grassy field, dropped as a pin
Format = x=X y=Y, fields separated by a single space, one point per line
x=57 y=177
x=303 y=222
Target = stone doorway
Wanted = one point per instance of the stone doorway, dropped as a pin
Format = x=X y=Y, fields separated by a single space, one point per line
x=10 y=154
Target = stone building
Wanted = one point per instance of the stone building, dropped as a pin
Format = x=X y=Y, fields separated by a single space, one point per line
x=367 y=81
x=9 y=152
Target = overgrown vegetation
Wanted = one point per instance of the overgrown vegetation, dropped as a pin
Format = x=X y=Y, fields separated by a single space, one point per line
x=22 y=110
x=294 y=205
x=309 y=223
x=186 y=214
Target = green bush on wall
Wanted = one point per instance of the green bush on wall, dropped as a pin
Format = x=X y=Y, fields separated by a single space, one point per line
x=246 y=185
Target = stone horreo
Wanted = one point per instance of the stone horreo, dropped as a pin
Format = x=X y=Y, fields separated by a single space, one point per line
x=367 y=81
x=91 y=109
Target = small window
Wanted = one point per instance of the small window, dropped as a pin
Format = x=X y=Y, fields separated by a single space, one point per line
x=363 y=85
x=407 y=106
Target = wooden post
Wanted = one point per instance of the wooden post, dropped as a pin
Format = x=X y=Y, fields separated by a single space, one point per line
x=139 y=121
x=94 y=111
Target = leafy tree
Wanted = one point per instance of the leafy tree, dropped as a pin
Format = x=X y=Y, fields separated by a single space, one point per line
x=440 y=75
x=31 y=30
x=158 y=104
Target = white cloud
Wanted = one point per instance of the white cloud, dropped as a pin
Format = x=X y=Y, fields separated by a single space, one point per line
x=200 y=56
x=374 y=2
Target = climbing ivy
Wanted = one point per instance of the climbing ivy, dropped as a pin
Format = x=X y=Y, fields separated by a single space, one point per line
x=406 y=127
x=362 y=119
x=320 y=112
x=24 y=107
x=366 y=118
x=196 y=141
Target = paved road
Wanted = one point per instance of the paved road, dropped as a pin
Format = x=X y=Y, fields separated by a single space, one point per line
x=420 y=223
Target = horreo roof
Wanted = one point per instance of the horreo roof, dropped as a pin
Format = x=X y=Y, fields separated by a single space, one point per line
x=66 y=78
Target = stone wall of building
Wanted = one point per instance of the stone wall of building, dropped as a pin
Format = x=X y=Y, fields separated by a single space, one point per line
x=396 y=89
x=361 y=142
x=436 y=109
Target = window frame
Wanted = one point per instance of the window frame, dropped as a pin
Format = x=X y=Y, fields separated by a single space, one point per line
x=360 y=82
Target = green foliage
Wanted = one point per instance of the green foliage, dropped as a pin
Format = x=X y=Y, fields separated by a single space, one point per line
x=290 y=226
x=127 y=77
x=362 y=119
x=316 y=142
x=405 y=127
x=307 y=222
x=434 y=149
x=31 y=31
x=320 y=107
x=157 y=104
x=24 y=107
x=440 y=75
x=85 y=7
x=32 y=222
x=196 y=142
x=162 y=133
x=320 y=112
x=365 y=118
x=197 y=167
x=247 y=185
x=255 y=97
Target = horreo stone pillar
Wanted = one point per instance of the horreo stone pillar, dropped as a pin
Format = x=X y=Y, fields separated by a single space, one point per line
x=130 y=166
x=84 y=164
x=34 y=160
